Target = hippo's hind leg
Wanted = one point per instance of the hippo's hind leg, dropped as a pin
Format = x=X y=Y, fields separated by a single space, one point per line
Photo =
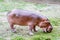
x=12 y=28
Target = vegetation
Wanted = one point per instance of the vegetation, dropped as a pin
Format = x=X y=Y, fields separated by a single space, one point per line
x=55 y=21
x=17 y=38
x=7 y=6
x=1 y=38
x=5 y=31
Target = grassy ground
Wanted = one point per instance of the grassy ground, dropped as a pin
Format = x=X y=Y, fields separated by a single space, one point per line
x=22 y=32
x=51 y=11
x=6 y=6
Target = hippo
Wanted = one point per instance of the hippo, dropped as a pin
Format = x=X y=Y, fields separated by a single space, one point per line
x=30 y=19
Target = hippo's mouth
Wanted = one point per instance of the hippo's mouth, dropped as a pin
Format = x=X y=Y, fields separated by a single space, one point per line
x=47 y=30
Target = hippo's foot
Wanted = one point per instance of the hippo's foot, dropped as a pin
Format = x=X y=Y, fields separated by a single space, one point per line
x=13 y=30
x=30 y=33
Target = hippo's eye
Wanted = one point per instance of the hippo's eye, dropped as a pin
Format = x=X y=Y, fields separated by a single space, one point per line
x=45 y=24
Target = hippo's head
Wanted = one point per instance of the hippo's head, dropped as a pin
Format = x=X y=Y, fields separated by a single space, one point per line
x=46 y=26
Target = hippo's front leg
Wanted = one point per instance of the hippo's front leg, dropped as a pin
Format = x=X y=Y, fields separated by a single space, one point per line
x=44 y=30
x=34 y=29
x=30 y=30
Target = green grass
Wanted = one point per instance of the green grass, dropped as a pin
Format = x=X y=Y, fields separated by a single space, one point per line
x=55 y=21
x=37 y=37
x=17 y=38
x=1 y=0
x=7 y=6
x=54 y=35
x=22 y=35
x=5 y=31
x=1 y=38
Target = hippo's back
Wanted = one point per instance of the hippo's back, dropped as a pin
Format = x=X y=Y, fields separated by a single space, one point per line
x=22 y=17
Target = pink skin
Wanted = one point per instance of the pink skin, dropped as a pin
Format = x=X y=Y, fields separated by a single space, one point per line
x=46 y=26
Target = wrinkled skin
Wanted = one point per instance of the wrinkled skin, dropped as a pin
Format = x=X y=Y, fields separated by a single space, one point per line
x=28 y=18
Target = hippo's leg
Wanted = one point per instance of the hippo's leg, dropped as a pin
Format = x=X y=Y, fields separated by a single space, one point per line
x=34 y=29
x=44 y=29
x=12 y=28
x=30 y=30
